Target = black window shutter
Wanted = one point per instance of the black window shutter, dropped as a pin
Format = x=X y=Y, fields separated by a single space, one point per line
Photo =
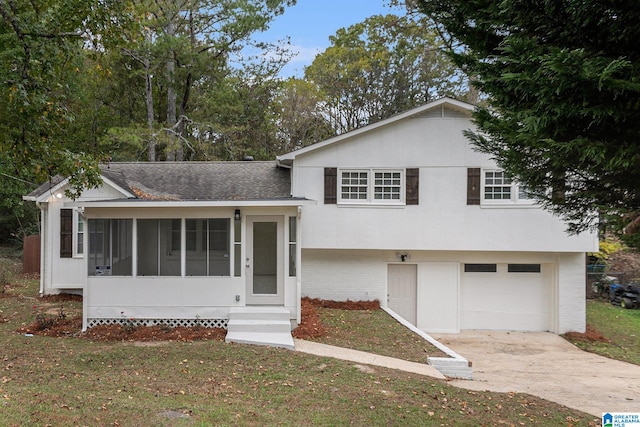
x=473 y=186
x=330 y=185
x=66 y=233
x=412 y=177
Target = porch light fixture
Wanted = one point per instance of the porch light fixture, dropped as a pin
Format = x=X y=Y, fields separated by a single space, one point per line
x=236 y=215
x=403 y=256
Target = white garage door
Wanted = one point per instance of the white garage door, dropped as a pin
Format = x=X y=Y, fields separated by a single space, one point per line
x=505 y=296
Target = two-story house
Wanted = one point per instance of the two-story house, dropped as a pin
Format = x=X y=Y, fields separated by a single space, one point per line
x=403 y=211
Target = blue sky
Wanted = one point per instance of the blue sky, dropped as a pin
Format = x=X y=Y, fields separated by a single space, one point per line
x=310 y=23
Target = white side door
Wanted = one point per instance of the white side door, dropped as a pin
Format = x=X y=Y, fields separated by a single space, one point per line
x=402 y=290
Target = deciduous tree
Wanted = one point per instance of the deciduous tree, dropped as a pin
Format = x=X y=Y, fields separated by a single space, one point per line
x=381 y=67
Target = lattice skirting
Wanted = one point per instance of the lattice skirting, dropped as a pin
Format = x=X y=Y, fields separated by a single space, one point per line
x=172 y=323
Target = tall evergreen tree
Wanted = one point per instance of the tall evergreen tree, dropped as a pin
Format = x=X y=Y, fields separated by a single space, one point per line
x=563 y=81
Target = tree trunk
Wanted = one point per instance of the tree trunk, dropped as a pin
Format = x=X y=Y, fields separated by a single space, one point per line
x=151 y=142
x=173 y=153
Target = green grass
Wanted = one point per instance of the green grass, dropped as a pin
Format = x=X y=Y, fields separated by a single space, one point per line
x=376 y=332
x=73 y=381
x=621 y=327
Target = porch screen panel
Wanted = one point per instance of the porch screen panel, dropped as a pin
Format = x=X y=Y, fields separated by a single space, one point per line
x=99 y=253
x=208 y=246
x=121 y=247
x=147 y=247
x=196 y=247
x=219 y=257
x=110 y=247
x=169 y=231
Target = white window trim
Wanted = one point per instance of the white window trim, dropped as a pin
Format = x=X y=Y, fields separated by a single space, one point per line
x=514 y=201
x=370 y=200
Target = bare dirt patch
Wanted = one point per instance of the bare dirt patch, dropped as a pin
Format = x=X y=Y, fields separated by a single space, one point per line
x=310 y=327
x=344 y=305
x=105 y=333
x=590 y=335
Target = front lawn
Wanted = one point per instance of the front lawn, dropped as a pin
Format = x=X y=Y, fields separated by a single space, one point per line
x=613 y=332
x=66 y=381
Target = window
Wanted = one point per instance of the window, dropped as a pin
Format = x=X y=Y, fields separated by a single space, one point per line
x=354 y=186
x=110 y=247
x=293 y=222
x=207 y=246
x=371 y=186
x=498 y=187
x=78 y=243
x=387 y=185
x=480 y=268
x=237 y=247
x=158 y=247
x=523 y=268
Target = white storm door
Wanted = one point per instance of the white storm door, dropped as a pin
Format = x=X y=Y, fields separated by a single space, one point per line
x=265 y=260
x=401 y=290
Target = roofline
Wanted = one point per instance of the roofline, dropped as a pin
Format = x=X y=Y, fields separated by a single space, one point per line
x=141 y=203
x=286 y=159
x=117 y=187
x=42 y=197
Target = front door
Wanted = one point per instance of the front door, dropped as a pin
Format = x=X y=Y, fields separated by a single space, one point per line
x=264 y=263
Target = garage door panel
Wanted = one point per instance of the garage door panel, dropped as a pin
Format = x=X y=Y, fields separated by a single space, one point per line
x=507 y=301
x=521 y=321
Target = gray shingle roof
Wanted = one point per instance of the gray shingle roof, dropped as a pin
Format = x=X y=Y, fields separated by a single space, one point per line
x=207 y=181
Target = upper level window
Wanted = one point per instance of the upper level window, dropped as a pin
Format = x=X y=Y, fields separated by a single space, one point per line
x=498 y=187
x=371 y=186
x=354 y=186
x=387 y=185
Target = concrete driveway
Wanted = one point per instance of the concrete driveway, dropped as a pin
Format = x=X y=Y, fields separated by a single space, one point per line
x=545 y=365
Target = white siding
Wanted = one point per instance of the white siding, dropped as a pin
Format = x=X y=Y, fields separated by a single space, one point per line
x=571 y=293
x=65 y=274
x=344 y=275
x=438 y=297
x=442 y=220
x=448 y=299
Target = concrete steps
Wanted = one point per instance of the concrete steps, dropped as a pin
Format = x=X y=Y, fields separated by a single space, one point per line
x=269 y=326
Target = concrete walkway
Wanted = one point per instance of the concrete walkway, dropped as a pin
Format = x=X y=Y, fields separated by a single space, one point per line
x=366 y=358
x=538 y=363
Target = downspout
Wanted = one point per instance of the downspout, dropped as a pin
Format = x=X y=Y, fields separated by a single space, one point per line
x=43 y=245
x=299 y=265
